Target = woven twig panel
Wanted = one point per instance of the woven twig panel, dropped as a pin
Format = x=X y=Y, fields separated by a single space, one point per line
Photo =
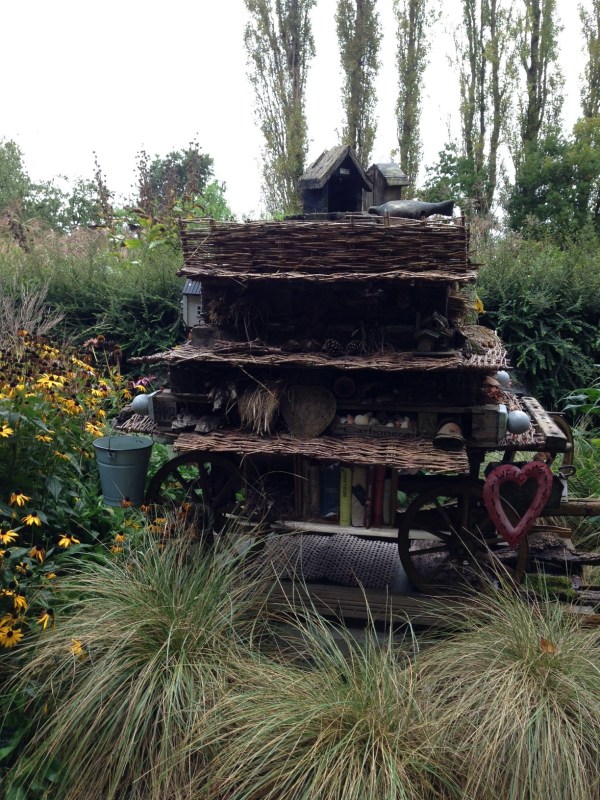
x=268 y=247
x=490 y=360
x=404 y=454
x=216 y=272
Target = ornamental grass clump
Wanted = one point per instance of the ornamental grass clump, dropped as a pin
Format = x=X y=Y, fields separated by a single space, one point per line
x=516 y=695
x=334 y=719
x=142 y=650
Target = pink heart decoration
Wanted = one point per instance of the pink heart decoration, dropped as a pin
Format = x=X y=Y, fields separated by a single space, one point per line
x=509 y=473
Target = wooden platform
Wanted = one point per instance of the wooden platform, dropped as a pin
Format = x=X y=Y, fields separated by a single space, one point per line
x=356 y=605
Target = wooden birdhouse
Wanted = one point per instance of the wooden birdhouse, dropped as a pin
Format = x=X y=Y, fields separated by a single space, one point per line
x=388 y=181
x=191 y=303
x=334 y=183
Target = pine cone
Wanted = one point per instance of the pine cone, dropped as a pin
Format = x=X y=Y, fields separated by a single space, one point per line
x=332 y=347
x=354 y=347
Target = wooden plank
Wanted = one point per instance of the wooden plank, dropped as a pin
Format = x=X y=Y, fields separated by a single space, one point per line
x=555 y=439
x=576 y=507
x=350 y=603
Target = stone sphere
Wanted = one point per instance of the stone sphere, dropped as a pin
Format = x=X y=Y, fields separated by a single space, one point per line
x=140 y=403
x=503 y=378
x=518 y=422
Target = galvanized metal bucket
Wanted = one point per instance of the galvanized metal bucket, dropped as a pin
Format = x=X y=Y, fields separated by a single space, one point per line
x=123 y=465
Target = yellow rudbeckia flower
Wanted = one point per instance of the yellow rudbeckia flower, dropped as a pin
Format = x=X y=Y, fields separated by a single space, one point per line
x=67 y=540
x=9 y=637
x=8 y=537
x=6 y=431
x=46 y=619
x=31 y=519
x=18 y=499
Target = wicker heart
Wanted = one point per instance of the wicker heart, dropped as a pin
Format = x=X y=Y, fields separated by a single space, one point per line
x=308 y=410
x=509 y=473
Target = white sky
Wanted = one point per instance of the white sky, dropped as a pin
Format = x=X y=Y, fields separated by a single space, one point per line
x=118 y=75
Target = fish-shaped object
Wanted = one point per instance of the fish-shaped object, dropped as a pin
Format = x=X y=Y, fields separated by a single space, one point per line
x=413 y=209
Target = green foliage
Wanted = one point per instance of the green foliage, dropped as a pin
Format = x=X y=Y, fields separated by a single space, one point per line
x=516 y=698
x=14 y=181
x=453 y=177
x=359 y=38
x=545 y=302
x=590 y=28
x=413 y=19
x=279 y=45
x=557 y=187
x=176 y=178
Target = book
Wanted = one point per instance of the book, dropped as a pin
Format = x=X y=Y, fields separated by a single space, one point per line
x=387 y=501
x=393 y=497
x=329 y=491
x=359 y=496
x=346 y=496
x=314 y=491
x=369 y=497
x=377 y=507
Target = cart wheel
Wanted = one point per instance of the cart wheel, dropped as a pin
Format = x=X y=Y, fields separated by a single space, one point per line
x=205 y=489
x=446 y=539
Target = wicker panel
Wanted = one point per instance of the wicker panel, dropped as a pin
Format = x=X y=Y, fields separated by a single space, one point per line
x=403 y=454
x=491 y=359
x=349 y=274
x=320 y=247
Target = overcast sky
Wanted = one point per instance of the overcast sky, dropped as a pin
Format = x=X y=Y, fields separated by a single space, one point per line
x=119 y=75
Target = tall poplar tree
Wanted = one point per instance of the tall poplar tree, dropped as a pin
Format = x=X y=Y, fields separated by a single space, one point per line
x=538 y=51
x=486 y=67
x=359 y=38
x=590 y=28
x=279 y=45
x=413 y=19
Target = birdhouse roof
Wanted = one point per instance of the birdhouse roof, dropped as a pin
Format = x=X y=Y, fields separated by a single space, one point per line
x=321 y=170
x=391 y=173
x=192 y=287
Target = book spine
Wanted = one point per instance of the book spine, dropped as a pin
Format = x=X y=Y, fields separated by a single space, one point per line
x=369 y=498
x=346 y=496
x=393 y=497
x=329 y=483
x=315 y=494
x=387 y=501
x=378 y=481
x=359 y=496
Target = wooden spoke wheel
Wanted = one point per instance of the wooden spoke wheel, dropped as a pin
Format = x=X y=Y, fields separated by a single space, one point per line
x=446 y=540
x=207 y=490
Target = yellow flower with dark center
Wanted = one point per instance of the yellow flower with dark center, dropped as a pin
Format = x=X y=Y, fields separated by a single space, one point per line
x=93 y=429
x=31 y=519
x=116 y=548
x=46 y=619
x=8 y=537
x=6 y=431
x=6 y=593
x=18 y=499
x=9 y=637
x=64 y=456
x=43 y=437
x=49 y=381
x=37 y=553
x=20 y=603
x=120 y=537
x=22 y=568
x=67 y=540
x=50 y=576
x=126 y=503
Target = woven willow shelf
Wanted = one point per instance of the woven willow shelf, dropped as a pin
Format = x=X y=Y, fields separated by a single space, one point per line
x=404 y=454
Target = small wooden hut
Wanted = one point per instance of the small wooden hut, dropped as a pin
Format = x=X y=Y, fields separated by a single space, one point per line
x=388 y=181
x=334 y=182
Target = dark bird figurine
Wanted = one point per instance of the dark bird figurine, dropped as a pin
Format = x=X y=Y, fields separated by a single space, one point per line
x=413 y=209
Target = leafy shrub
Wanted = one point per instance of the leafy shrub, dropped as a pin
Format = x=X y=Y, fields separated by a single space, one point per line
x=545 y=302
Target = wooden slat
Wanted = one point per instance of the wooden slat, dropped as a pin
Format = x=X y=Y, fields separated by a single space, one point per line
x=554 y=438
